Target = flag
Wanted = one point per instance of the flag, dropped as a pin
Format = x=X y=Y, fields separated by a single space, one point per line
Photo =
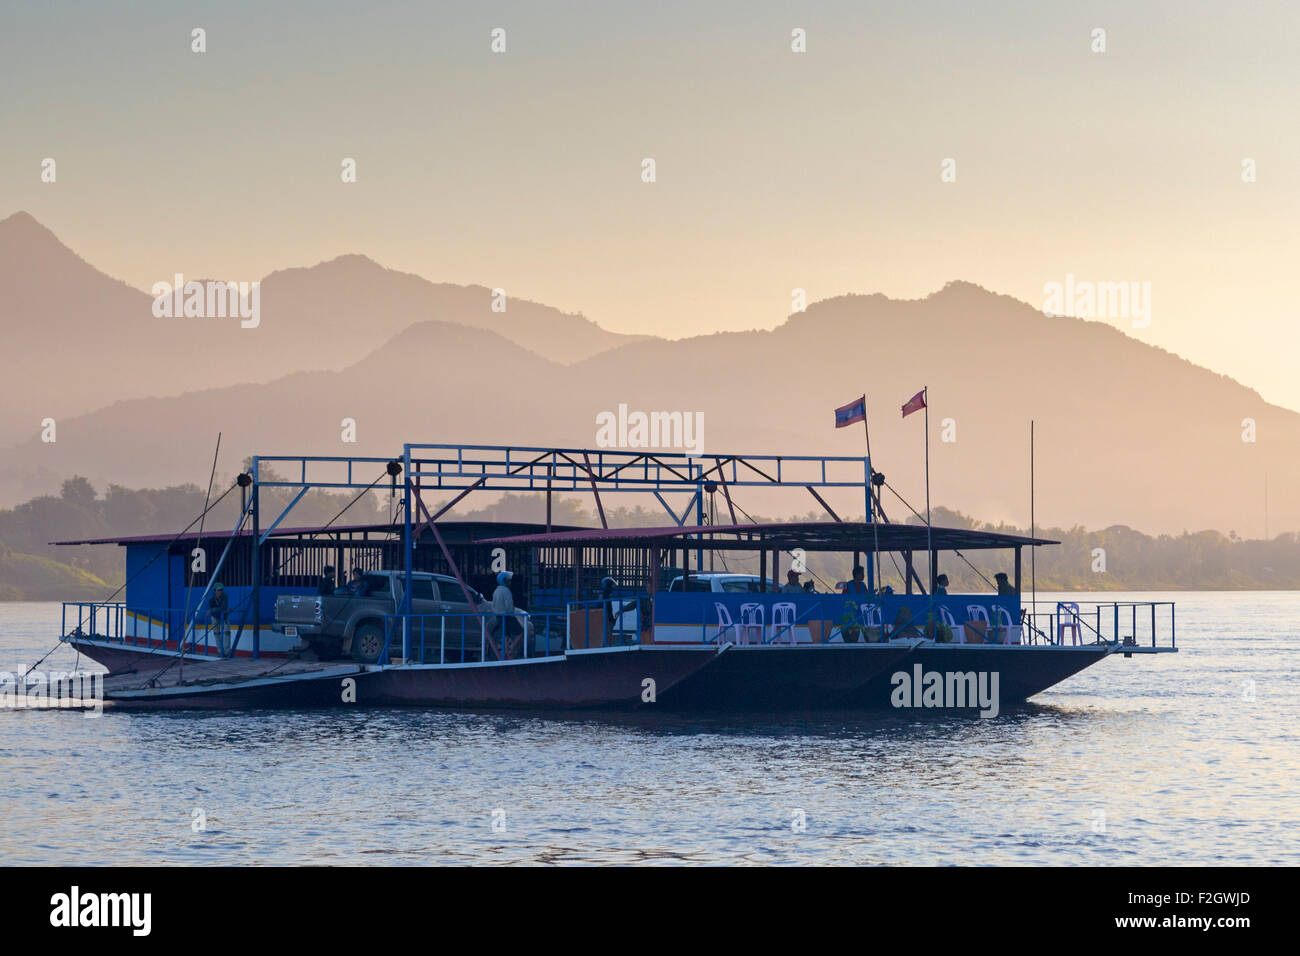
x=915 y=403
x=854 y=411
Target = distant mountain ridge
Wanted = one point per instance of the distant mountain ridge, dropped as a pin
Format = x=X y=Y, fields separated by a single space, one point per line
x=87 y=339
x=1126 y=433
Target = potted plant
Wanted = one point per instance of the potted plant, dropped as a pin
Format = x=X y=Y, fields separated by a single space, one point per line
x=850 y=625
x=940 y=633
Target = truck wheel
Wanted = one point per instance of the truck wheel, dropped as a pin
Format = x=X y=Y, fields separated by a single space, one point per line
x=367 y=643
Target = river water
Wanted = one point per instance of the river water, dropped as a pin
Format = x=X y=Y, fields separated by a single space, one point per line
x=1188 y=758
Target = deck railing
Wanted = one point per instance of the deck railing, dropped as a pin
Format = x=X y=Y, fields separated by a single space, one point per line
x=1143 y=624
x=112 y=622
x=146 y=627
x=471 y=637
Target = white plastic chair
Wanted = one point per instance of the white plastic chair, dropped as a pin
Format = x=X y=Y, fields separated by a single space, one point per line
x=783 y=617
x=870 y=614
x=1067 y=618
x=958 y=632
x=978 y=612
x=1011 y=630
x=725 y=624
x=751 y=626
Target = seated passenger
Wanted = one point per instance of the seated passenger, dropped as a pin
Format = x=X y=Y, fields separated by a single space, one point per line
x=357 y=586
x=1004 y=586
x=857 y=585
x=326 y=585
x=941 y=585
x=792 y=585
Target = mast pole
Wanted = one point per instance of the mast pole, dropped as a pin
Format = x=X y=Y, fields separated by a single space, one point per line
x=929 y=545
x=871 y=495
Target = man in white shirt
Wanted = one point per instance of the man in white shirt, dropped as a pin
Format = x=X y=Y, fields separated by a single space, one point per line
x=503 y=606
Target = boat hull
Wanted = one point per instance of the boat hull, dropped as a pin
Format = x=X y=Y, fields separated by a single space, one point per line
x=773 y=677
x=615 y=678
x=236 y=684
x=121 y=658
x=1021 y=670
x=726 y=678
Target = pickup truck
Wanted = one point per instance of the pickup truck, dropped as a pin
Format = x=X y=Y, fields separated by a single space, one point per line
x=724 y=584
x=346 y=624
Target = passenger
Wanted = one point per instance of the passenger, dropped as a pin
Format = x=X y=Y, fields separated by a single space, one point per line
x=607 y=586
x=941 y=585
x=857 y=585
x=503 y=609
x=326 y=585
x=357 y=586
x=792 y=585
x=1004 y=586
x=808 y=587
x=503 y=599
x=219 y=611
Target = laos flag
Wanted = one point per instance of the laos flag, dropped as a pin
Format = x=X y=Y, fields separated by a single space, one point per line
x=854 y=411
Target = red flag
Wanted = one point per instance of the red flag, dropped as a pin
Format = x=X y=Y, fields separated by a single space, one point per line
x=915 y=403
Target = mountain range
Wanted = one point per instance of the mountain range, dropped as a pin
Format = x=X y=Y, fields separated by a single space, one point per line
x=1126 y=433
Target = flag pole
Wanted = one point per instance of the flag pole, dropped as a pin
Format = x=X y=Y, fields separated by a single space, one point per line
x=871 y=494
x=929 y=546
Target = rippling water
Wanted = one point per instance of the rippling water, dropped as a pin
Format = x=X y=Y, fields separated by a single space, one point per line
x=1167 y=752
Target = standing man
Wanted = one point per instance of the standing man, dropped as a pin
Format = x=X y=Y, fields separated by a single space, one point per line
x=219 y=611
x=503 y=608
x=607 y=586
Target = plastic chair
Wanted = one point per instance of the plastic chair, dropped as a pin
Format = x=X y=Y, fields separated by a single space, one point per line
x=870 y=614
x=725 y=623
x=783 y=617
x=1067 y=618
x=978 y=612
x=1012 y=630
x=958 y=632
x=751 y=626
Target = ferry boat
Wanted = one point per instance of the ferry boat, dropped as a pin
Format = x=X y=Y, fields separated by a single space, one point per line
x=623 y=618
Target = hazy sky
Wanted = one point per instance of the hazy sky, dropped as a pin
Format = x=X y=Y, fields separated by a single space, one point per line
x=775 y=170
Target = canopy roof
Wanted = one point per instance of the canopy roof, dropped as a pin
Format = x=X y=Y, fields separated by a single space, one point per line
x=809 y=535
x=462 y=531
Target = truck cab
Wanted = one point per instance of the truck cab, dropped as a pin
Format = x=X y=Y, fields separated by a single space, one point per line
x=722 y=583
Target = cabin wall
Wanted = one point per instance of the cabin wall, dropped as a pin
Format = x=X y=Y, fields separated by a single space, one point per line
x=147 y=573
